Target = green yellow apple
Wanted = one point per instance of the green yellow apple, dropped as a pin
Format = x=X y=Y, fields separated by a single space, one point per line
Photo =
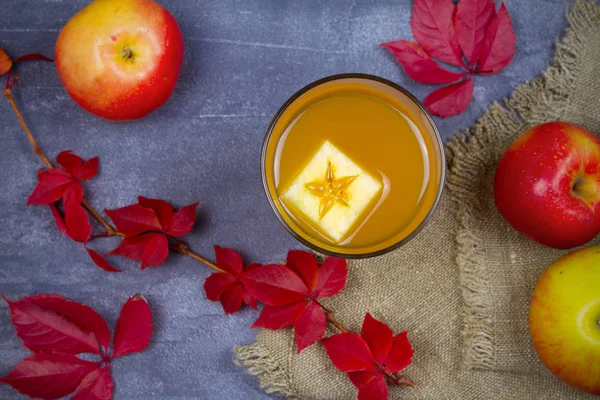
x=564 y=319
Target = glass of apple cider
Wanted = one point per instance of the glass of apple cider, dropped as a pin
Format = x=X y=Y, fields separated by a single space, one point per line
x=353 y=165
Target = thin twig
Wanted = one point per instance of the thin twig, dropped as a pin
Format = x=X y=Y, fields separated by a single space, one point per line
x=183 y=248
x=36 y=149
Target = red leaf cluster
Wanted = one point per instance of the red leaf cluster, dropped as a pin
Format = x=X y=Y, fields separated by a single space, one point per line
x=227 y=287
x=470 y=35
x=371 y=357
x=290 y=293
x=56 y=330
x=147 y=226
x=64 y=183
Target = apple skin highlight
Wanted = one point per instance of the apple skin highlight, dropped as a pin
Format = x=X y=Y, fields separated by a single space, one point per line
x=120 y=59
x=547 y=185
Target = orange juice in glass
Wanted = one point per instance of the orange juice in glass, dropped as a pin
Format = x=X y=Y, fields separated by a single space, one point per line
x=353 y=165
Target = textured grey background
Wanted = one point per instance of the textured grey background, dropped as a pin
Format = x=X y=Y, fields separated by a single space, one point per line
x=243 y=59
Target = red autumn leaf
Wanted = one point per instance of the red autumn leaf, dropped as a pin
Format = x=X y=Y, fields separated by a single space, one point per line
x=134 y=327
x=51 y=186
x=55 y=324
x=151 y=249
x=332 y=277
x=304 y=265
x=231 y=299
x=60 y=222
x=183 y=220
x=368 y=357
x=226 y=287
x=419 y=65
x=88 y=169
x=374 y=389
x=275 y=285
x=498 y=47
x=97 y=385
x=48 y=375
x=291 y=292
x=100 y=261
x=5 y=62
x=80 y=313
x=349 y=352
x=163 y=210
x=400 y=355
x=310 y=326
x=134 y=219
x=378 y=337
x=69 y=161
x=450 y=100
x=229 y=260
x=216 y=283
x=280 y=317
x=471 y=21
x=432 y=24
x=76 y=219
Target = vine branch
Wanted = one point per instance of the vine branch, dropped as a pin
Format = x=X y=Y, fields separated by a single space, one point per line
x=181 y=247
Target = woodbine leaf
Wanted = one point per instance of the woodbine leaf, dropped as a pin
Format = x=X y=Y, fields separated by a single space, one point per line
x=163 y=210
x=134 y=219
x=51 y=186
x=374 y=389
x=400 y=355
x=349 y=352
x=310 y=326
x=55 y=324
x=305 y=265
x=97 y=385
x=332 y=277
x=274 y=285
x=49 y=375
x=77 y=219
x=151 y=249
x=280 y=317
x=498 y=47
x=134 y=327
x=100 y=261
x=229 y=260
x=432 y=24
x=183 y=220
x=418 y=64
x=471 y=21
x=379 y=338
x=450 y=100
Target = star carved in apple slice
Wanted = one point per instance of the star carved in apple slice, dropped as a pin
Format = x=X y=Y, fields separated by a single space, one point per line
x=331 y=190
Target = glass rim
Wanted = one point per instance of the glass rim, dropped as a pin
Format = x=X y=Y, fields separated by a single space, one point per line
x=267 y=138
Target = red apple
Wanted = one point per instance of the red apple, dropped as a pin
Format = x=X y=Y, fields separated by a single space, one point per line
x=547 y=185
x=564 y=319
x=120 y=59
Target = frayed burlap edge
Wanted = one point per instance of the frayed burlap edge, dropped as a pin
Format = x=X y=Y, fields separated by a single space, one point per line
x=541 y=100
x=272 y=377
x=531 y=103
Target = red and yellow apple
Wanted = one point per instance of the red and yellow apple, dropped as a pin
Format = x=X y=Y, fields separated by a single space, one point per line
x=5 y=62
x=547 y=185
x=120 y=59
x=564 y=319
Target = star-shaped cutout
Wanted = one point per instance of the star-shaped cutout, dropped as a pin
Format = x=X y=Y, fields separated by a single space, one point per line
x=331 y=190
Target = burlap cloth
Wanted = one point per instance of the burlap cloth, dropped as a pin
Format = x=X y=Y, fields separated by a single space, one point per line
x=462 y=287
